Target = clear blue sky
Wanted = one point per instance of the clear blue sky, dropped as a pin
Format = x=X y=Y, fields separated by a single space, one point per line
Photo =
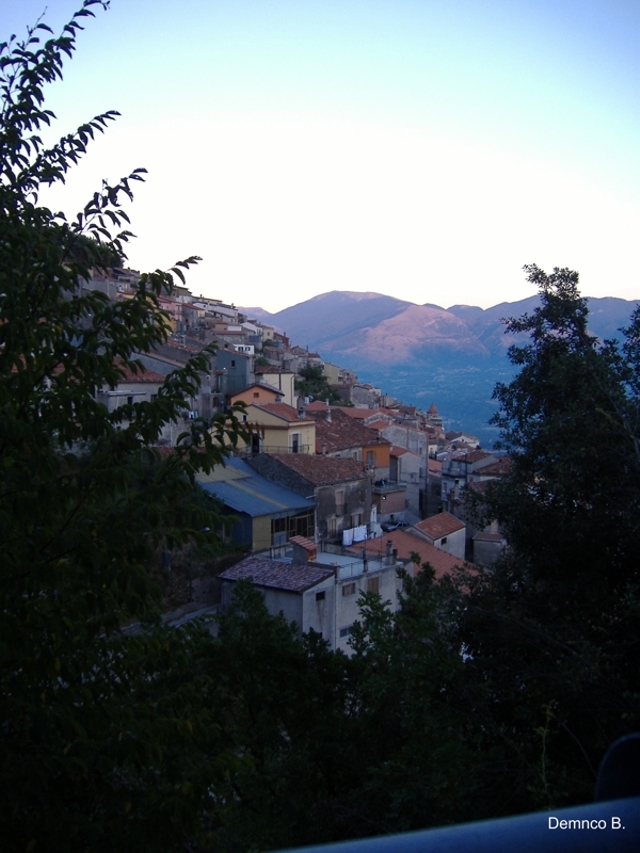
x=425 y=149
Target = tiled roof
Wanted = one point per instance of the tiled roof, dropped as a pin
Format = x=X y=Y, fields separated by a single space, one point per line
x=406 y=544
x=399 y=451
x=282 y=410
x=476 y=456
x=440 y=525
x=277 y=575
x=321 y=470
x=342 y=432
x=496 y=469
x=142 y=376
x=378 y=425
x=356 y=413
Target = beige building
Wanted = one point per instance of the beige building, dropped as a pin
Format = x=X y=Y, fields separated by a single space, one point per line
x=278 y=428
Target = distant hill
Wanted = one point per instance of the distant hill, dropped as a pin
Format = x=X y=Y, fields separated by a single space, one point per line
x=387 y=332
x=423 y=353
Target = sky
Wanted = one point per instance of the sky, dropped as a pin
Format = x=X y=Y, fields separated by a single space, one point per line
x=424 y=149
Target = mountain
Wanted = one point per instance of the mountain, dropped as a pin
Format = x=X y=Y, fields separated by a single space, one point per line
x=424 y=353
x=381 y=330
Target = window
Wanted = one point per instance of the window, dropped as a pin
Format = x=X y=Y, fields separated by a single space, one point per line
x=373 y=585
x=370 y=458
x=295 y=442
x=349 y=589
x=344 y=632
x=443 y=541
x=332 y=527
x=320 y=596
x=233 y=362
x=130 y=401
x=256 y=394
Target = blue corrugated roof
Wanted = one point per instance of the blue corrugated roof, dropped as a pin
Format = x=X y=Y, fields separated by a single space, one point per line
x=246 y=491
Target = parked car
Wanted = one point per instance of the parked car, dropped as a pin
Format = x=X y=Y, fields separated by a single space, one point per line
x=388 y=526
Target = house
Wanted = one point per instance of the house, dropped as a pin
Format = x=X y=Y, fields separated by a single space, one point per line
x=341 y=490
x=283 y=380
x=338 y=434
x=408 y=467
x=279 y=428
x=405 y=546
x=324 y=595
x=259 y=392
x=443 y=531
x=261 y=514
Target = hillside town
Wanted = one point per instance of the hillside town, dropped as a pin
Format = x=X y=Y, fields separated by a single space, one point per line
x=330 y=493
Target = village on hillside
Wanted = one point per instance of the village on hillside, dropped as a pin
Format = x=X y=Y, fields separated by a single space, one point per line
x=333 y=491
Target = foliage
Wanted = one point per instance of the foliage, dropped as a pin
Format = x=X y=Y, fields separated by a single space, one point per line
x=553 y=629
x=84 y=500
x=313 y=383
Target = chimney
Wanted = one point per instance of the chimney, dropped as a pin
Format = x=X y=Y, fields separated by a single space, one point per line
x=324 y=448
x=389 y=555
x=327 y=415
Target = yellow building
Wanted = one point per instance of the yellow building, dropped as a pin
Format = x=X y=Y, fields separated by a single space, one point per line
x=279 y=428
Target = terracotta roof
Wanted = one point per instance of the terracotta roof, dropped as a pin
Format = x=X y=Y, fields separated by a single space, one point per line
x=342 y=432
x=435 y=466
x=305 y=543
x=476 y=456
x=440 y=525
x=356 y=413
x=144 y=375
x=398 y=451
x=282 y=410
x=277 y=575
x=432 y=409
x=321 y=470
x=406 y=544
x=497 y=468
x=378 y=425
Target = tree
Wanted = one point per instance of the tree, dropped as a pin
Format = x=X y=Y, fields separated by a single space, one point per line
x=95 y=727
x=313 y=383
x=552 y=632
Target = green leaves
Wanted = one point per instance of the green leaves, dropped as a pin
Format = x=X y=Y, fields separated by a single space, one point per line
x=98 y=730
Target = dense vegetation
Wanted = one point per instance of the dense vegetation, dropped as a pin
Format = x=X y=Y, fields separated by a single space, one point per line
x=486 y=694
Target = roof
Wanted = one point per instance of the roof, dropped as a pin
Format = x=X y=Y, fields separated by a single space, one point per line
x=282 y=410
x=275 y=574
x=342 y=432
x=143 y=376
x=440 y=525
x=321 y=470
x=378 y=424
x=495 y=469
x=406 y=545
x=476 y=456
x=241 y=489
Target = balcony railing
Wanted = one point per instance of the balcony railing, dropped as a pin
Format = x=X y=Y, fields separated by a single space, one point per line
x=249 y=451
